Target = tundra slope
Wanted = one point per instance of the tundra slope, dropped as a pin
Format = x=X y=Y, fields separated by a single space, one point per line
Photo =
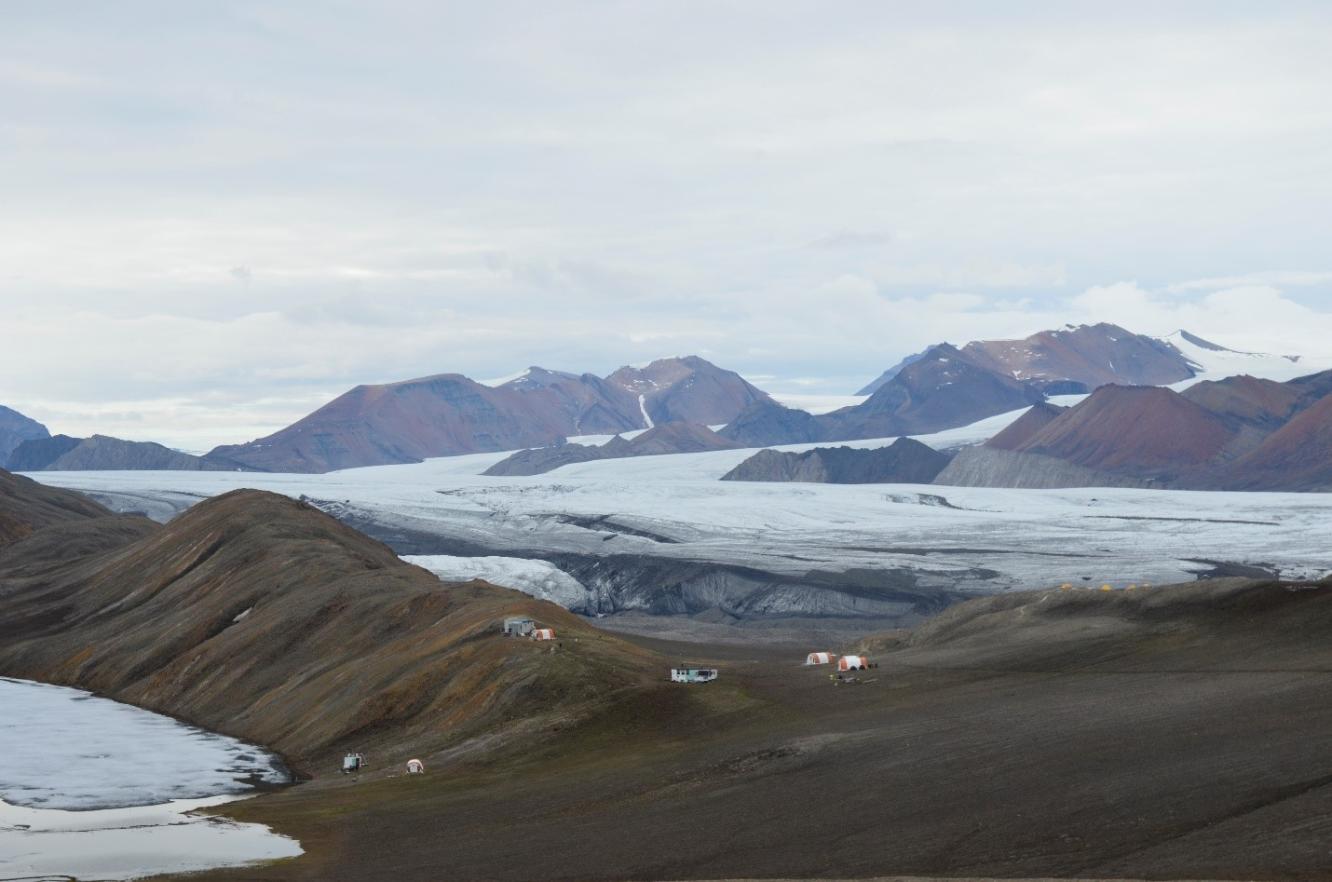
x=257 y=616
x=1169 y=733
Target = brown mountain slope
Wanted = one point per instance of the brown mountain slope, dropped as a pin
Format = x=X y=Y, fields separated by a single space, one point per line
x=1086 y=356
x=1021 y=430
x=26 y=506
x=1141 y=430
x=688 y=389
x=1247 y=401
x=942 y=390
x=1298 y=456
x=259 y=616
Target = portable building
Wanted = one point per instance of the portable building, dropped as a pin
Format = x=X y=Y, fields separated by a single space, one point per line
x=693 y=675
x=543 y=634
x=852 y=663
x=352 y=762
x=415 y=767
x=820 y=658
x=518 y=627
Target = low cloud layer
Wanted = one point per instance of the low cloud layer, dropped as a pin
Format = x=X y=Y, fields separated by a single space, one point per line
x=215 y=220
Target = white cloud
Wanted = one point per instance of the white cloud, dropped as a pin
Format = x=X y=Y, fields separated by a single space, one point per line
x=394 y=189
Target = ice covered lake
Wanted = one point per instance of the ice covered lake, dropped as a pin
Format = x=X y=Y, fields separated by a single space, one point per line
x=95 y=789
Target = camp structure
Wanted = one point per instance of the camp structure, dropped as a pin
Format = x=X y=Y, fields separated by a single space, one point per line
x=543 y=634
x=518 y=627
x=415 y=767
x=685 y=674
x=352 y=762
x=820 y=658
x=852 y=663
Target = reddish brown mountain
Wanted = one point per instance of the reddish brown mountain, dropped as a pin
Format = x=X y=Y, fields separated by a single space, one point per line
x=689 y=390
x=450 y=414
x=1298 y=456
x=1248 y=401
x=1026 y=426
x=1073 y=359
x=941 y=390
x=1086 y=356
x=1142 y=430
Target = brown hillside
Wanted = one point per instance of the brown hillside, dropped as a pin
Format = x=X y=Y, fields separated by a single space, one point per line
x=26 y=506
x=1135 y=429
x=1245 y=400
x=261 y=617
x=1021 y=430
x=1298 y=456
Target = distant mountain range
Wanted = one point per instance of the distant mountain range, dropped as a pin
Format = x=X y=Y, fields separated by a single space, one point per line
x=941 y=388
x=451 y=414
x=61 y=453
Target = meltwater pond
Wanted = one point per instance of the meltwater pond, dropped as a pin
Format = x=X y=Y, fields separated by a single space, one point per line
x=101 y=790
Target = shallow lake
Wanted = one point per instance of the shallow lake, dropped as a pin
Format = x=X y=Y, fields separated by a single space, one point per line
x=101 y=790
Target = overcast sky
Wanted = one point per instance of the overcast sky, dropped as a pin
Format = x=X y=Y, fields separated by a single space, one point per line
x=214 y=217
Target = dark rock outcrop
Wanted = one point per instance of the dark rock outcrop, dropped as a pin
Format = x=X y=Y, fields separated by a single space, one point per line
x=905 y=461
x=663 y=439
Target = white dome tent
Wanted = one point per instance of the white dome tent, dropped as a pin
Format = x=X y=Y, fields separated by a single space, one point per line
x=820 y=658
x=852 y=663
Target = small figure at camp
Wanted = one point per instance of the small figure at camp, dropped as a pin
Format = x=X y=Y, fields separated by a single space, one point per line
x=415 y=767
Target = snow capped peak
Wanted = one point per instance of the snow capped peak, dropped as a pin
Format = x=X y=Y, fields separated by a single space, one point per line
x=1213 y=361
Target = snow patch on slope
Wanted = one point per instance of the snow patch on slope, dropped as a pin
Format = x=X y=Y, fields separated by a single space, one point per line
x=538 y=578
x=1219 y=363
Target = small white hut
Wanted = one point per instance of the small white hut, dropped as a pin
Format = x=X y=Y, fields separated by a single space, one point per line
x=415 y=767
x=852 y=663
x=543 y=634
x=820 y=658
x=352 y=762
x=693 y=675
